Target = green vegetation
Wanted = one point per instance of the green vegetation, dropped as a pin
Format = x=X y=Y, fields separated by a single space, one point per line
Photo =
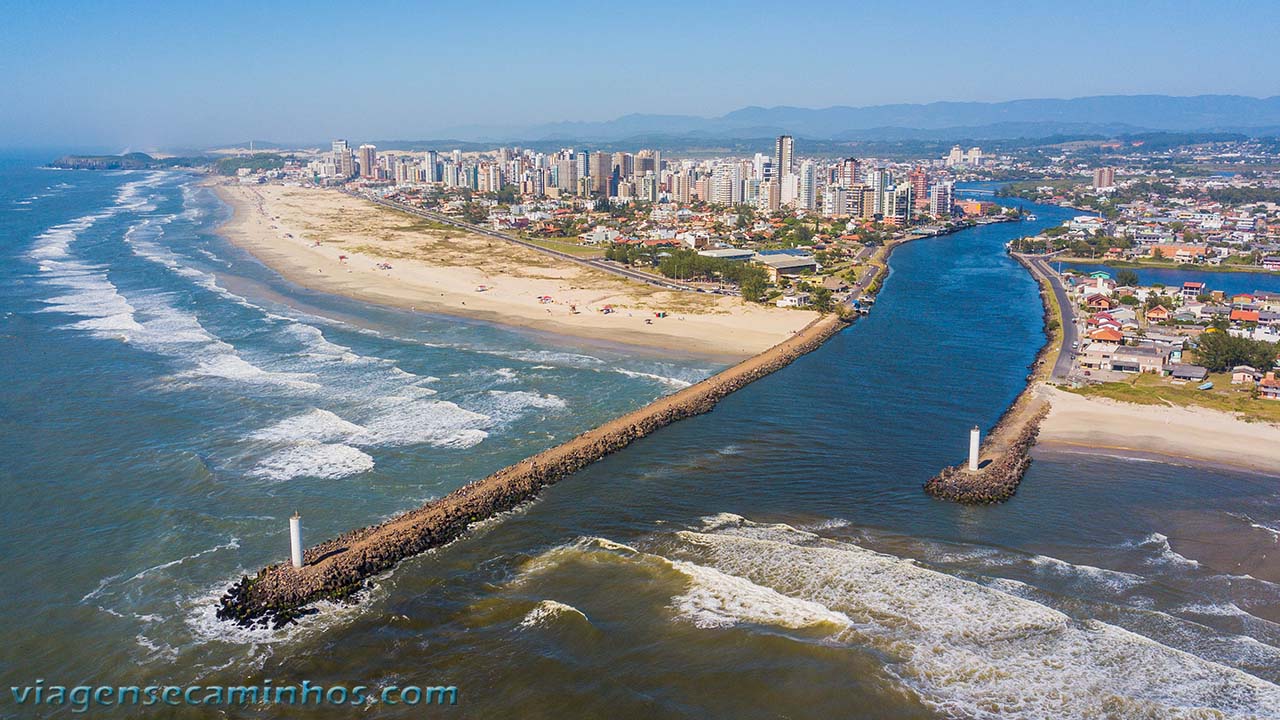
x=128 y=161
x=1150 y=389
x=684 y=264
x=255 y=162
x=1245 y=195
x=1220 y=351
x=567 y=245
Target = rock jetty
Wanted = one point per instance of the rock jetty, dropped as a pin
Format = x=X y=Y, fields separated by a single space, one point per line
x=1006 y=454
x=336 y=569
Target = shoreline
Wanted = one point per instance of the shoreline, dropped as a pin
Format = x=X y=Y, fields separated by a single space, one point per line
x=339 y=568
x=432 y=280
x=1191 y=435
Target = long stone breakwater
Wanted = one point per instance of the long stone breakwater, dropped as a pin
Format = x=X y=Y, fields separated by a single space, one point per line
x=338 y=568
x=1006 y=454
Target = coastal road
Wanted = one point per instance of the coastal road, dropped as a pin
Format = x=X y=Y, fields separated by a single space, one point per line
x=1070 y=336
x=597 y=264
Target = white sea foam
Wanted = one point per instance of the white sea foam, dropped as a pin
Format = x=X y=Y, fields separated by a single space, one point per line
x=716 y=599
x=1162 y=553
x=1111 y=579
x=327 y=461
x=508 y=405
x=670 y=381
x=401 y=420
x=316 y=425
x=972 y=650
x=548 y=611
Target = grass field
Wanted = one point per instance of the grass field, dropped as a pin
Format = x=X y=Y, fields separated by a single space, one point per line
x=1148 y=389
x=566 y=245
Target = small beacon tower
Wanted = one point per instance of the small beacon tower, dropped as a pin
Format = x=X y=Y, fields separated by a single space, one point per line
x=975 y=436
x=295 y=539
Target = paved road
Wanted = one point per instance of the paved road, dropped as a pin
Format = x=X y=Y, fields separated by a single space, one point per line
x=1070 y=336
x=597 y=264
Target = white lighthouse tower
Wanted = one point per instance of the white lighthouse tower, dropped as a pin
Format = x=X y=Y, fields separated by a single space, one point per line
x=975 y=437
x=295 y=539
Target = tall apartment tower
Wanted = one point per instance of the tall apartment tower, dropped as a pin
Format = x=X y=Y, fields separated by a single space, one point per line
x=368 y=161
x=342 y=159
x=1104 y=177
x=784 y=156
x=919 y=180
x=848 y=172
x=600 y=170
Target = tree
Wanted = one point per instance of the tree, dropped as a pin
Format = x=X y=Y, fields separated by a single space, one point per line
x=822 y=299
x=754 y=283
x=1220 y=351
x=1127 y=277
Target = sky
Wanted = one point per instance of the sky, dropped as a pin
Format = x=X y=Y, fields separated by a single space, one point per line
x=142 y=75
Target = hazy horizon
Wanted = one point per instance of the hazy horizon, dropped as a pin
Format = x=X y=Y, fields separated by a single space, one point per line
x=147 y=75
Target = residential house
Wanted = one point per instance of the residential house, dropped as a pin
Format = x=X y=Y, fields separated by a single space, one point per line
x=1107 y=336
x=1245 y=375
x=1238 y=315
x=1100 y=302
x=1097 y=356
x=1158 y=313
x=1144 y=359
x=1269 y=387
x=798 y=299
x=1192 y=290
x=1188 y=373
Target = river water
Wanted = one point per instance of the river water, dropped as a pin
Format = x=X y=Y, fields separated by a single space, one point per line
x=168 y=402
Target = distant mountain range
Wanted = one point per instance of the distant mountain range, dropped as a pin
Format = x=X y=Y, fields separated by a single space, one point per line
x=1105 y=115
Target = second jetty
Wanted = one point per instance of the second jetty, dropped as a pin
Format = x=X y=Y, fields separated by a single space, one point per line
x=1006 y=454
x=338 y=568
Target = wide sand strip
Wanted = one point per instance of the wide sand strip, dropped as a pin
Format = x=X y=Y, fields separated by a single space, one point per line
x=329 y=241
x=1178 y=432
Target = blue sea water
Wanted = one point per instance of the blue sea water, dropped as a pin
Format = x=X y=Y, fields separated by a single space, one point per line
x=167 y=402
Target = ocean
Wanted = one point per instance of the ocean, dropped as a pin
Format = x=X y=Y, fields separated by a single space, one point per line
x=168 y=402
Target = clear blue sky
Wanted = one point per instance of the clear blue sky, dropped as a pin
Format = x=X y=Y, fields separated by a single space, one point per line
x=148 y=74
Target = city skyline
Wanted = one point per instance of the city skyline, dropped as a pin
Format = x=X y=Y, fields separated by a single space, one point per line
x=230 y=73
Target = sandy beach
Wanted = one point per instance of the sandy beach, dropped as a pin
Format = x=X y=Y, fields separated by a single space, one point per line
x=332 y=242
x=1195 y=434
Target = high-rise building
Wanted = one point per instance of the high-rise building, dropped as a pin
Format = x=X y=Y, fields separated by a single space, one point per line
x=880 y=180
x=919 y=180
x=1104 y=177
x=343 y=163
x=834 y=201
x=784 y=156
x=600 y=170
x=726 y=185
x=624 y=165
x=940 y=199
x=848 y=172
x=896 y=204
x=807 y=187
x=368 y=161
x=567 y=174
x=770 y=197
x=645 y=161
x=860 y=201
x=955 y=157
